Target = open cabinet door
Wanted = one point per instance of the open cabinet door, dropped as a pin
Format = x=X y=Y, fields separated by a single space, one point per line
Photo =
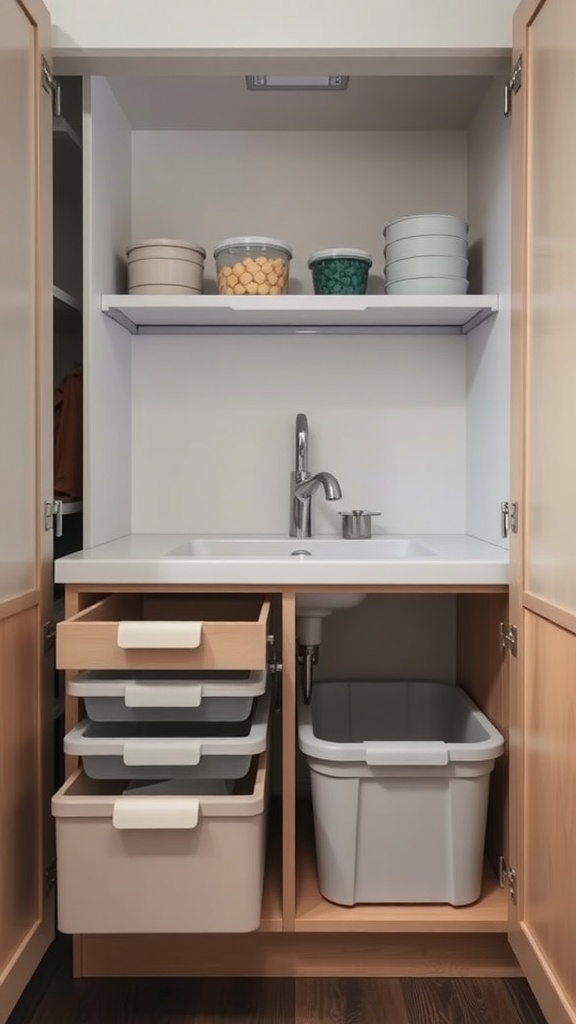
x=26 y=905
x=543 y=553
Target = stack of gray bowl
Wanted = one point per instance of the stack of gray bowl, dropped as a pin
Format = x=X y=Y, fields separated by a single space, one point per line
x=426 y=254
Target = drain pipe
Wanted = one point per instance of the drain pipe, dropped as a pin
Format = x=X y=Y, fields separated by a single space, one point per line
x=309 y=633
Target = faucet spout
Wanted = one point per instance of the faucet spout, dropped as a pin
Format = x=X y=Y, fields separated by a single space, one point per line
x=328 y=481
x=303 y=484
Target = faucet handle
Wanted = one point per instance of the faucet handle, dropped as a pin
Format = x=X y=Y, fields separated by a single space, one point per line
x=357 y=525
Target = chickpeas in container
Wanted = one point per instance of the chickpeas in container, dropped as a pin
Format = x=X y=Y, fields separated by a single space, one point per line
x=252 y=265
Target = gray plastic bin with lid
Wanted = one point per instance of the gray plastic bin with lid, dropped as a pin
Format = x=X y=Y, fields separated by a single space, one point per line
x=400 y=775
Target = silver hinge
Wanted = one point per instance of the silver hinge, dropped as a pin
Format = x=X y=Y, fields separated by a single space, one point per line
x=275 y=670
x=49 y=631
x=51 y=85
x=507 y=878
x=53 y=511
x=504 y=519
x=512 y=86
x=514 y=516
x=508 y=518
x=509 y=638
x=50 y=878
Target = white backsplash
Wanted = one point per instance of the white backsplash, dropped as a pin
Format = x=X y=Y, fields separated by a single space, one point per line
x=213 y=431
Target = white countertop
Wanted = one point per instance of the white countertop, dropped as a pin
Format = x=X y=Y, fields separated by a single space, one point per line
x=168 y=558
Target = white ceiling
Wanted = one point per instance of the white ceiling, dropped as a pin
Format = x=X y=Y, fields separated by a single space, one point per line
x=371 y=103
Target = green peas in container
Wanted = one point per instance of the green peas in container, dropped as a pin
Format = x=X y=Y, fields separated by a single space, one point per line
x=340 y=271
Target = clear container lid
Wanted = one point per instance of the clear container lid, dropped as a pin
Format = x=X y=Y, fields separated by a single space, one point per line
x=176 y=242
x=334 y=254
x=241 y=241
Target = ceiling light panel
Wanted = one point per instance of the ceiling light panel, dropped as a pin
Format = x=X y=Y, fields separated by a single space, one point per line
x=260 y=83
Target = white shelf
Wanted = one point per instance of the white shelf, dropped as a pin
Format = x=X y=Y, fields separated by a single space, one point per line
x=300 y=314
x=63 y=301
x=71 y=506
x=62 y=131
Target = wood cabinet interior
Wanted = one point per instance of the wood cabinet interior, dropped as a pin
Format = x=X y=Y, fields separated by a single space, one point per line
x=459 y=639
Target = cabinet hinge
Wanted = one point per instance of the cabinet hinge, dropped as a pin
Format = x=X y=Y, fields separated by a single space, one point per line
x=507 y=878
x=512 y=86
x=49 y=631
x=51 y=85
x=508 y=518
x=53 y=511
x=275 y=670
x=509 y=638
x=504 y=519
x=514 y=516
x=50 y=878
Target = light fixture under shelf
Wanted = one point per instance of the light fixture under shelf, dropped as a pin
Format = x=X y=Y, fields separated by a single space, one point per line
x=261 y=83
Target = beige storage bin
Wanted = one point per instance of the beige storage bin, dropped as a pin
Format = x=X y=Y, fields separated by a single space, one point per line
x=142 y=863
x=157 y=631
x=165 y=266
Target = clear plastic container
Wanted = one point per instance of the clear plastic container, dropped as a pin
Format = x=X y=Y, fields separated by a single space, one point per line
x=252 y=265
x=340 y=271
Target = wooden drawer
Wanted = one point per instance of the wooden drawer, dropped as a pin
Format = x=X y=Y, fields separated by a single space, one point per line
x=232 y=634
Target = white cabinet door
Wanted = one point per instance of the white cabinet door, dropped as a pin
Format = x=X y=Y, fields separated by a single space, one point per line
x=26 y=914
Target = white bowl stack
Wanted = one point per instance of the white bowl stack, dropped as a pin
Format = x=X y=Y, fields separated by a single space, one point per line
x=426 y=254
x=165 y=266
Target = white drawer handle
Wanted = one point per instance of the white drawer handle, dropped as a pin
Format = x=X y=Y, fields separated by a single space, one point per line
x=400 y=753
x=150 y=634
x=159 y=751
x=168 y=812
x=178 y=695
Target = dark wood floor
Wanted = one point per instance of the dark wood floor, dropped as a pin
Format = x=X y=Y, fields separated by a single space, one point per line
x=54 y=997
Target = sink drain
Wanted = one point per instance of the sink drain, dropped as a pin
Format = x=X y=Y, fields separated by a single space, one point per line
x=301 y=551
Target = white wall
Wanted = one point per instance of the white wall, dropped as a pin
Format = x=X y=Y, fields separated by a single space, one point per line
x=107 y=356
x=213 y=417
x=369 y=25
x=488 y=370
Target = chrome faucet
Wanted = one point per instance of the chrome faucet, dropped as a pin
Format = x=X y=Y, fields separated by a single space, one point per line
x=303 y=484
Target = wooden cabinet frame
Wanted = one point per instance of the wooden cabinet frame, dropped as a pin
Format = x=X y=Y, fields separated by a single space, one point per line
x=302 y=934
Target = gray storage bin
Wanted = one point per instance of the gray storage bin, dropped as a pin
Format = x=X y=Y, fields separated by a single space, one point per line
x=196 y=696
x=400 y=776
x=169 y=750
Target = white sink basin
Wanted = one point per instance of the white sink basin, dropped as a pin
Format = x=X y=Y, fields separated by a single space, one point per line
x=294 y=549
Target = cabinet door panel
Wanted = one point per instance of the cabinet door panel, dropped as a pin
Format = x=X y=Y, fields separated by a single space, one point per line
x=543 y=553
x=26 y=912
x=17 y=306
x=551 y=307
x=20 y=812
x=549 y=906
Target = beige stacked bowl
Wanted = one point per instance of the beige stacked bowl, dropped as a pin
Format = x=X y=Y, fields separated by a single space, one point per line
x=426 y=254
x=165 y=266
